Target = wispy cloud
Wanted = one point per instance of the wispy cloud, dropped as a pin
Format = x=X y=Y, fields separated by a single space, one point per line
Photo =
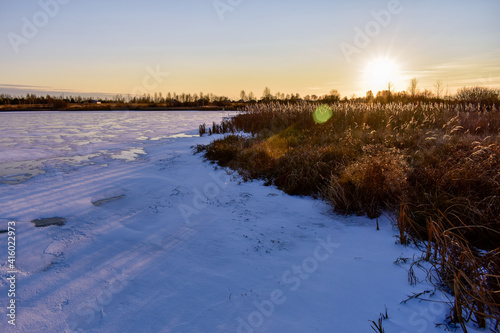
x=327 y=86
x=22 y=86
x=21 y=89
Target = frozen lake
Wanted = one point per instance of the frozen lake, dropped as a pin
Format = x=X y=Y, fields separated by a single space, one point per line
x=33 y=143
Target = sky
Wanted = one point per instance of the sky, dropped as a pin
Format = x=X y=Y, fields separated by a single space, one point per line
x=225 y=46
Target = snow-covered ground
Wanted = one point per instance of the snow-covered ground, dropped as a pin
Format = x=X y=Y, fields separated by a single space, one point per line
x=181 y=246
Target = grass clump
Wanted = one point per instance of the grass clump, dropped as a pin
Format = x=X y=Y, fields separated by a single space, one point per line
x=374 y=182
x=225 y=151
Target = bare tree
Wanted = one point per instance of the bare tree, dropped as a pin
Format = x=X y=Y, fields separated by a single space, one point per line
x=439 y=88
x=478 y=94
x=243 y=95
x=267 y=94
x=334 y=92
x=390 y=88
x=369 y=96
x=412 y=89
x=334 y=95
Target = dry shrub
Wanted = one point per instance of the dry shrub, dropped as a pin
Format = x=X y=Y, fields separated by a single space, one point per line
x=374 y=182
x=462 y=181
x=276 y=146
x=304 y=170
x=224 y=151
x=255 y=162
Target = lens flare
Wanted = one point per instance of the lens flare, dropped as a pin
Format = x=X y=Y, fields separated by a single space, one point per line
x=322 y=114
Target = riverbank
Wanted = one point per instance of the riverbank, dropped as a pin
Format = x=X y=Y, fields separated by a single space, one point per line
x=433 y=167
x=163 y=241
x=187 y=248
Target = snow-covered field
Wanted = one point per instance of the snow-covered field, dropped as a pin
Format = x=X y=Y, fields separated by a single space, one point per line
x=157 y=240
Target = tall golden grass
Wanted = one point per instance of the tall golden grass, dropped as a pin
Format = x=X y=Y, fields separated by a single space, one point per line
x=436 y=167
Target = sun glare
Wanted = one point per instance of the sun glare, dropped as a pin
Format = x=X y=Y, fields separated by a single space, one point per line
x=379 y=72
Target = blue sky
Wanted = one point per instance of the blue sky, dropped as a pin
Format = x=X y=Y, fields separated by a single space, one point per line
x=290 y=46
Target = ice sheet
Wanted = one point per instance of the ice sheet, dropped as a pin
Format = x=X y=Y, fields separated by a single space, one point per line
x=32 y=142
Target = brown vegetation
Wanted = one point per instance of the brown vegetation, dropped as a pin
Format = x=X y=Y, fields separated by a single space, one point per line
x=434 y=166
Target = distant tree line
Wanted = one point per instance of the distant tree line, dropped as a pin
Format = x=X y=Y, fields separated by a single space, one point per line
x=413 y=94
x=483 y=95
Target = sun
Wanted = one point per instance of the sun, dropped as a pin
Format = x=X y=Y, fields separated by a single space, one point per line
x=379 y=72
